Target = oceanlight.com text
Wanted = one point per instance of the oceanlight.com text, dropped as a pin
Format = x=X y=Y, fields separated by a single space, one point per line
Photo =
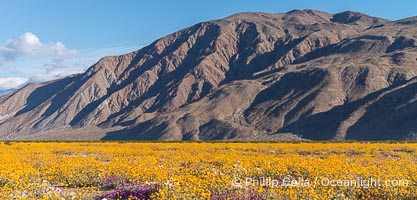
x=319 y=182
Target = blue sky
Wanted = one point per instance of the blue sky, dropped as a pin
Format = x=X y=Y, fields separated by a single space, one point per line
x=47 y=39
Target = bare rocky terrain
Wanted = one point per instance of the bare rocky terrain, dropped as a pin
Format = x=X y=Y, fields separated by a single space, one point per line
x=299 y=75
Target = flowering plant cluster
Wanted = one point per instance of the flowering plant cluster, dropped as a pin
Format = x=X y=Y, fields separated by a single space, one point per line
x=112 y=170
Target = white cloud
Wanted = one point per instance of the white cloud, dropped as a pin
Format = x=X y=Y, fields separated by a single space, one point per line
x=60 y=52
x=77 y=64
x=28 y=44
x=12 y=82
x=51 y=74
x=27 y=59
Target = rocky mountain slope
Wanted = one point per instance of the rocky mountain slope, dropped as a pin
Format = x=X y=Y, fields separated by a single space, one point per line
x=302 y=74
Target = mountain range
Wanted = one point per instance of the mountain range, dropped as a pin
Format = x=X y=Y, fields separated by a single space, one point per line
x=300 y=75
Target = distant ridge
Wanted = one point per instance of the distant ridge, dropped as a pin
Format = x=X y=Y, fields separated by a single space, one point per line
x=303 y=74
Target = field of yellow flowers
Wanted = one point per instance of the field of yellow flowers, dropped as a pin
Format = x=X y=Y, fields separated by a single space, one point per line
x=113 y=170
